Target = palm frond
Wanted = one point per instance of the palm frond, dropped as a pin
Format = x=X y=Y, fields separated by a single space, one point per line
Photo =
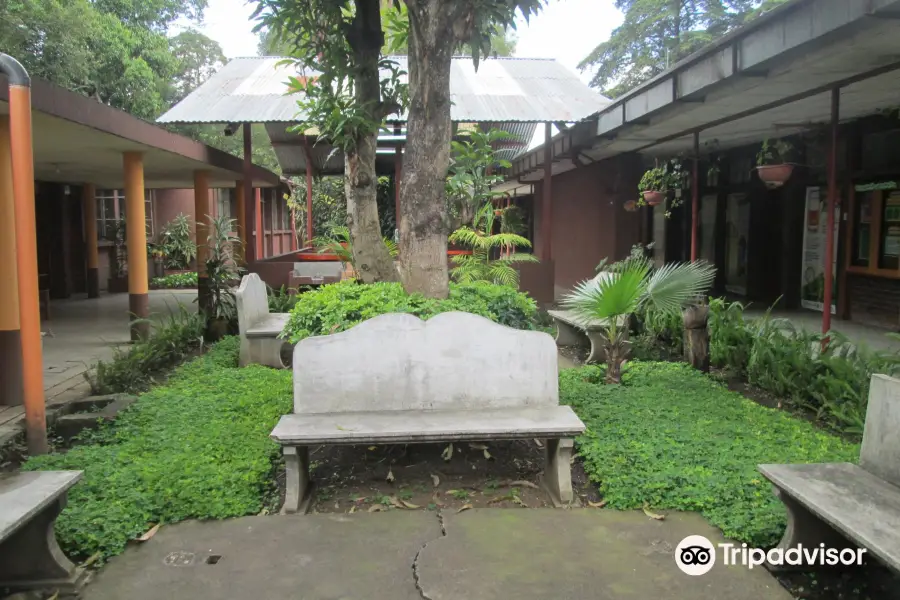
x=392 y=247
x=520 y=257
x=610 y=296
x=503 y=274
x=675 y=285
x=507 y=239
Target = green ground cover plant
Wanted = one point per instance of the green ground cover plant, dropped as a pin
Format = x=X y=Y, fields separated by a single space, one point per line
x=672 y=438
x=174 y=281
x=340 y=306
x=197 y=447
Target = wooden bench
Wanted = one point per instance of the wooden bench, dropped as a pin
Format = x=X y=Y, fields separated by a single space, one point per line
x=396 y=379
x=29 y=555
x=831 y=503
x=259 y=329
x=572 y=331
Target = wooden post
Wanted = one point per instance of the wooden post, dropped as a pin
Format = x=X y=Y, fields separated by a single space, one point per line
x=546 y=195
x=10 y=334
x=250 y=253
x=89 y=214
x=260 y=226
x=695 y=199
x=240 y=207
x=136 y=232
x=201 y=232
x=696 y=336
x=309 y=191
x=832 y=202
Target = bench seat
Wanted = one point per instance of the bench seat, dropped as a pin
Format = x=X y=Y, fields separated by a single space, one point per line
x=271 y=325
x=29 y=555
x=860 y=506
x=421 y=426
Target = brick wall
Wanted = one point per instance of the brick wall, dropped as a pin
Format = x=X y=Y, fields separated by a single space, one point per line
x=874 y=300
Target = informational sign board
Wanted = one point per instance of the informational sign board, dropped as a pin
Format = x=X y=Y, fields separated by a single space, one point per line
x=815 y=225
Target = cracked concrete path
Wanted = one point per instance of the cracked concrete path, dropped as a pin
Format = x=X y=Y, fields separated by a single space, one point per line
x=481 y=554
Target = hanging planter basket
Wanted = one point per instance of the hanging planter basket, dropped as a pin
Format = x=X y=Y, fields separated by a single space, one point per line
x=774 y=176
x=653 y=197
x=631 y=206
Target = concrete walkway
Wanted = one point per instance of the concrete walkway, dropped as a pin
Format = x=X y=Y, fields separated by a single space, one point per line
x=874 y=338
x=486 y=554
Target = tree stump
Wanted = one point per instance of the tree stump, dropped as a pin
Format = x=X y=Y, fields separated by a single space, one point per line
x=696 y=337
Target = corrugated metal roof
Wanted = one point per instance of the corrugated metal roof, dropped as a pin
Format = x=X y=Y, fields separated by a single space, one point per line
x=501 y=90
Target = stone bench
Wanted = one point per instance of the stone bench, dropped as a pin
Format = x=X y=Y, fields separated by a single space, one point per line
x=316 y=273
x=29 y=555
x=396 y=379
x=832 y=503
x=259 y=329
x=572 y=331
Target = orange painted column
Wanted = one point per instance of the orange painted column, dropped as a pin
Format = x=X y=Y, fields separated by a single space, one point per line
x=32 y=352
x=136 y=232
x=240 y=206
x=201 y=210
x=89 y=213
x=546 y=195
x=10 y=334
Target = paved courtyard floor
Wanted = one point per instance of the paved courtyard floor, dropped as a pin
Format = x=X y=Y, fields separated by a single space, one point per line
x=481 y=554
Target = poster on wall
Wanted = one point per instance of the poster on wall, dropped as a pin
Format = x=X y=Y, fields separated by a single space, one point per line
x=812 y=280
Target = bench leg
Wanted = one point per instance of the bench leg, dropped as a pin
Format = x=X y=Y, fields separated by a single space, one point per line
x=599 y=341
x=297 y=484
x=262 y=351
x=558 y=470
x=31 y=559
x=568 y=335
x=803 y=527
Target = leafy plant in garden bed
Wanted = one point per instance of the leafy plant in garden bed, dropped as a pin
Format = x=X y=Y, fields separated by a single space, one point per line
x=174 y=281
x=340 y=306
x=176 y=245
x=670 y=437
x=195 y=448
x=135 y=368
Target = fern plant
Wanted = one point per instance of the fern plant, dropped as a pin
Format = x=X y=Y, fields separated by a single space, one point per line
x=339 y=244
x=481 y=265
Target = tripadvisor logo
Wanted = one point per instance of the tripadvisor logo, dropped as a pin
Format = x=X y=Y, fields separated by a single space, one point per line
x=696 y=555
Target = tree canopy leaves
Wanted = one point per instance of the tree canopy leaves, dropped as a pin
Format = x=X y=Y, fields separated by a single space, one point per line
x=658 y=33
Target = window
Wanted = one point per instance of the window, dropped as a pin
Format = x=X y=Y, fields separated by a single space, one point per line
x=111 y=208
x=862 y=232
x=889 y=244
x=225 y=203
x=874 y=226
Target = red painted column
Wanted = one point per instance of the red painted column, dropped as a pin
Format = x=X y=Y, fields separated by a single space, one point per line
x=695 y=197
x=250 y=249
x=832 y=202
x=546 y=195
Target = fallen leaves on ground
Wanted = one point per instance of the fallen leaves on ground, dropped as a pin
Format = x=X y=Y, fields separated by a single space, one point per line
x=410 y=505
x=464 y=507
x=600 y=504
x=93 y=558
x=447 y=454
x=435 y=480
x=652 y=514
x=376 y=508
x=150 y=533
x=522 y=483
x=390 y=476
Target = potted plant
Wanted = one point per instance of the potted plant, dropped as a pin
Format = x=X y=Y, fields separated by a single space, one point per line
x=656 y=183
x=223 y=250
x=772 y=164
x=631 y=206
x=176 y=245
x=117 y=283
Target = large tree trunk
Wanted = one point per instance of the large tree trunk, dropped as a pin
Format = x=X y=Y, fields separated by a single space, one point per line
x=372 y=261
x=423 y=229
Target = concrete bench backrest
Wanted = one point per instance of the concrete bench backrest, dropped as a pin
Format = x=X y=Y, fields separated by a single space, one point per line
x=880 y=454
x=323 y=269
x=252 y=301
x=396 y=361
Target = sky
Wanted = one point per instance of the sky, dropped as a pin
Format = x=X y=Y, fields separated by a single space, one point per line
x=566 y=30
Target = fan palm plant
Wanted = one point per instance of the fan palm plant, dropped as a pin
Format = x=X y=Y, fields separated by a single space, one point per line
x=480 y=265
x=633 y=284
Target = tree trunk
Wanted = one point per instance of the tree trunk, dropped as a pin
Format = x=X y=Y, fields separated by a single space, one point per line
x=423 y=230
x=371 y=259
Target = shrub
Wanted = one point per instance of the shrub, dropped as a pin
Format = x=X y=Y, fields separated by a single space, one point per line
x=672 y=438
x=174 y=281
x=340 y=306
x=730 y=339
x=135 y=369
x=282 y=300
x=195 y=448
x=176 y=245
